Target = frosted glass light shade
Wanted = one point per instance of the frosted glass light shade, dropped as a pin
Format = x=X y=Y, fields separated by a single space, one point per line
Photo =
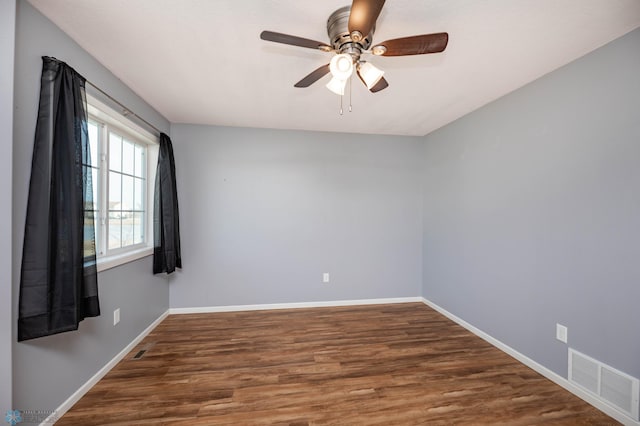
x=341 y=66
x=369 y=74
x=337 y=86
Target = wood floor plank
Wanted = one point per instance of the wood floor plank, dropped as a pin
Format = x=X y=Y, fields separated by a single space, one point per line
x=400 y=364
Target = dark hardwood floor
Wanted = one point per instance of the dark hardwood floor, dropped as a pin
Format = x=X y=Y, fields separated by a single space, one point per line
x=402 y=364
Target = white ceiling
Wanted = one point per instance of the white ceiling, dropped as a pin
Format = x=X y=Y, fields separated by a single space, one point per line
x=202 y=61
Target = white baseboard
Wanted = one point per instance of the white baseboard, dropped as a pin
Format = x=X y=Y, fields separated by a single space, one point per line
x=75 y=397
x=236 y=308
x=554 y=377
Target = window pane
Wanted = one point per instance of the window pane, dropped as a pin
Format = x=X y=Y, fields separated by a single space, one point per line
x=127 y=228
x=93 y=144
x=115 y=230
x=115 y=152
x=121 y=216
x=98 y=228
x=138 y=228
x=139 y=161
x=94 y=187
x=127 y=192
x=89 y=231
x=128 y=154
x=87 y=188
x=138 y=194
x=115 y=191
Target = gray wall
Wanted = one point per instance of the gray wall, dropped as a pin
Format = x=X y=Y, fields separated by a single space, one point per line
x=532 y=213
x=264 y=213
x=7 y=43
x=531 y=217
x=47 y=371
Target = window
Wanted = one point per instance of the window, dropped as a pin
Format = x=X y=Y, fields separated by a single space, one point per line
x=122 y=171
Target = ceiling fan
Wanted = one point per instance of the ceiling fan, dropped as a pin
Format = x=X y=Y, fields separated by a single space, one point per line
x=350 y=31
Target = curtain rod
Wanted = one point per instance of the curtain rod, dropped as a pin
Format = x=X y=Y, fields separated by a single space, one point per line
x=126 y=111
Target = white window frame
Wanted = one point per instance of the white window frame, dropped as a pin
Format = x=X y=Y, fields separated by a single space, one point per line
x=102 y=114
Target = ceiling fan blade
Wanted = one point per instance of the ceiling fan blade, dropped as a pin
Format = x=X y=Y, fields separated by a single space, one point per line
x=415 y=45
x=294 y=41
x=382 y=84
x=363 y=16
x=313 y=76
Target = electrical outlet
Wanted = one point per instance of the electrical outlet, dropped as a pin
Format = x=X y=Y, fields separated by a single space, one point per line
x=325 y=277
x=116 y=316
x=561 y=333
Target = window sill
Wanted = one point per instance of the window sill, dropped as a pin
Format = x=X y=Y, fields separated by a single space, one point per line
x=120 y=259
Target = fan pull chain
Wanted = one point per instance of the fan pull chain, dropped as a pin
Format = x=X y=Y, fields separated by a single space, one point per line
x=342 y=96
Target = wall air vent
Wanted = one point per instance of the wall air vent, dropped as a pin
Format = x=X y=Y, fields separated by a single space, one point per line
x=614 y=387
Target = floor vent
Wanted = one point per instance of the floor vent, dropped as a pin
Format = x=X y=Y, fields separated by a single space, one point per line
x=139 y=354
x=144 y=350
x=608 y=384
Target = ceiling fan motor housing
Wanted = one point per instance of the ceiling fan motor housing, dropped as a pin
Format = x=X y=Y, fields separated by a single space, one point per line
x=340 y=38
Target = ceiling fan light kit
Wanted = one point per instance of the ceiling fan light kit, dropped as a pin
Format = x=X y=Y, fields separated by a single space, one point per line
x=337 y=86
x=341 y=66
x=370 y=74
x=350 y=31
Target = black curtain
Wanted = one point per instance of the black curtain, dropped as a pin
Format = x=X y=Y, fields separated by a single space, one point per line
x=166 y=226
x=58 y=282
